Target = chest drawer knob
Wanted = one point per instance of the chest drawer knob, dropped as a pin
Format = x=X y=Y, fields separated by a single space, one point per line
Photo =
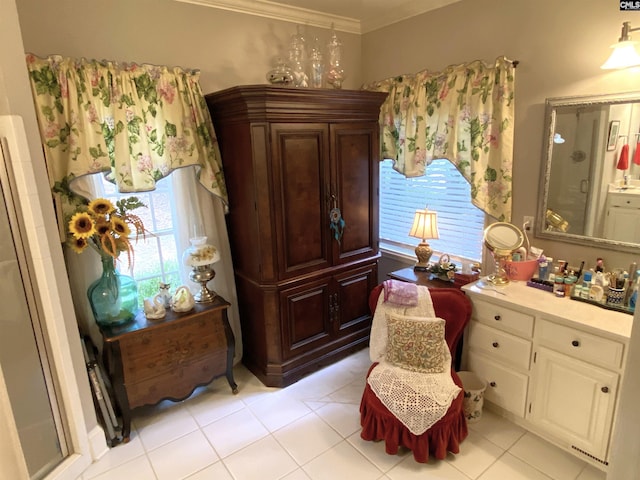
x=575 y=343
x=492 y=384
x=495 y=344
x=605 y=389
x=497 y=317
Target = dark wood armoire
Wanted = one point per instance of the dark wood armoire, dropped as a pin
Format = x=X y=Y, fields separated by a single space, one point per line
x=290 y=156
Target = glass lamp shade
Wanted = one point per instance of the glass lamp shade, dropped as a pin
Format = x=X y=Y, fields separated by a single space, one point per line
x=624 y=55
x=200 y=253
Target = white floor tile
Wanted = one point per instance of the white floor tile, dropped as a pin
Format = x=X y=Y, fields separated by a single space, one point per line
x=266 y=433
x=556 y=463
x=138 y=468
x=278 y=410
x=298 y=474
x=182 y=457
x=476 y=455
x=343 y=417
x=376 y=454
x=164 y=426
x=263 y=460
x=497 y=429
x=210 y=406
x=511 y=468
x=409 y=469
x=591 y=473
x=234 y=432
x=342 y=461
x=115 y=456
x=351 y=393
x=217 y=471
x=307 y=437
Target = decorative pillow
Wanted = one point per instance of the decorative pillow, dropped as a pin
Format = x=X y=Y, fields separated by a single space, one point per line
x=416 y=343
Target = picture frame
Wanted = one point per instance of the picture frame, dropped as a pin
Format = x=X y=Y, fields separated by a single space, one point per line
x=612 y=140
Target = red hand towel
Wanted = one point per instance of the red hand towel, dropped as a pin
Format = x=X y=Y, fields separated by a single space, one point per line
x=636 y=155
x=623 y=162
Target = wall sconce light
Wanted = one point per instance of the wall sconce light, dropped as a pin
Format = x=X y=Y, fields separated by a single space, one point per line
x=425 y=226
x=624 y=53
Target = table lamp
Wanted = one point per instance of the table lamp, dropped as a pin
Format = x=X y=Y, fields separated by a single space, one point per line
x=200 y=256
x=425 y=226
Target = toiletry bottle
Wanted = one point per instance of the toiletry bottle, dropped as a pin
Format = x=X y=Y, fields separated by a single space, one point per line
x=634 y=295
x=543 y=267
x=558 y=286
x=586 y=283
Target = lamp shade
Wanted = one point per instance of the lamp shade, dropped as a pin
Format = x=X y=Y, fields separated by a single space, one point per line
x=624 y=55
x=200 y=253
x=425 y=225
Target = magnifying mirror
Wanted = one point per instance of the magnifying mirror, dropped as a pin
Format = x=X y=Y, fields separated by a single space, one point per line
x=502 y=239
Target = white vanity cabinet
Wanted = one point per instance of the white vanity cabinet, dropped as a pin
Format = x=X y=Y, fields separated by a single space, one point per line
x=552 y=365
x=622 y=221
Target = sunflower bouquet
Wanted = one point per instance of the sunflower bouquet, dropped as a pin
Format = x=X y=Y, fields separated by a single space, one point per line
x=105 y=227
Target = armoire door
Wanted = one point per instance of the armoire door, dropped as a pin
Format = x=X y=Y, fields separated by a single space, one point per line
x=300 y=169
x=354 y=154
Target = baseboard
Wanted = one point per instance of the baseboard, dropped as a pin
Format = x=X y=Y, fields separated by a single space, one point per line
x=97 y=443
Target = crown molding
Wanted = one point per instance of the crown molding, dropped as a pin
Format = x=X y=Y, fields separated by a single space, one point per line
x=286 y=13
x=401 y=12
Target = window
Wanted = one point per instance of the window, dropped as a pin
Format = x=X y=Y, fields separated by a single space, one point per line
x=156 y=257
x=442 y=189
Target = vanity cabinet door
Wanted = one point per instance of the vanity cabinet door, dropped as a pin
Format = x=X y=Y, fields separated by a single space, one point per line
x=573 y=401
x=622 y=224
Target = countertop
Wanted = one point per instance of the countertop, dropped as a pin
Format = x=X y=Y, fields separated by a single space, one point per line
x=519 y=296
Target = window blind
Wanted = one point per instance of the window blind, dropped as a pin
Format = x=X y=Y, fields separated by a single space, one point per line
x=442 y=189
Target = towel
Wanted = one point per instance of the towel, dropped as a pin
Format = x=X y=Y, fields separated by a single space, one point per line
x=400 y=293
x=636 y=154
x=623 y=162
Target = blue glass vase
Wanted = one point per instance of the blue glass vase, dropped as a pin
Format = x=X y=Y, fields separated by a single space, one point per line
x=113 y=297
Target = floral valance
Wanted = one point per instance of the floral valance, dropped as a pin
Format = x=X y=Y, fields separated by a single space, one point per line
x=135 y=123
x=464 y=114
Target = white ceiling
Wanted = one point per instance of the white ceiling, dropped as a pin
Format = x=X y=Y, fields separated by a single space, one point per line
x=353 y=16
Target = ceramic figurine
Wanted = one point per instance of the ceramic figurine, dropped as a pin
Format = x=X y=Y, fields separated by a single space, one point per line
x=164 y=293
x=154 y=308
x=182 y=300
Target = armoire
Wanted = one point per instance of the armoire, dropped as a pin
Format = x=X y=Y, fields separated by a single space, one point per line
x=301 y=169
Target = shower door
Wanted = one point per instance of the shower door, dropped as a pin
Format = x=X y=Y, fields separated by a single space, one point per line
x=22 y=348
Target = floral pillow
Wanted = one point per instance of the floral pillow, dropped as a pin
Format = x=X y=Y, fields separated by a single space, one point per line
x=416 y=343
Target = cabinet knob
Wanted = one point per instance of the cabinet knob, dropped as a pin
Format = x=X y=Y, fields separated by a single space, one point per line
x=495 y=344
x=492 y=384
x=605 y=389
x=575 y=343
x=497 y=317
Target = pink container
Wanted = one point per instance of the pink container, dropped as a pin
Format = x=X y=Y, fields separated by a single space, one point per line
x=521 y=270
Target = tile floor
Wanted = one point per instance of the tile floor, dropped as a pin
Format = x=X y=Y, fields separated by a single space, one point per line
x=311 y=431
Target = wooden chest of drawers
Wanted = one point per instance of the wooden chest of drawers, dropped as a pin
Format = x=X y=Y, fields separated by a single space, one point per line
x=153 y=360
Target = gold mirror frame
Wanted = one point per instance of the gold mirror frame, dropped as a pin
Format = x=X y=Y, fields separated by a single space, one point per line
x=502 y=239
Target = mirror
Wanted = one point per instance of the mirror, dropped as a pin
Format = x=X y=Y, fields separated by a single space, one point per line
x=590 y=184
x=502 y=239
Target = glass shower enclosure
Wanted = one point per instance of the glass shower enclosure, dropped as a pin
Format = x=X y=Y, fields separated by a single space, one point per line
x=23 y=350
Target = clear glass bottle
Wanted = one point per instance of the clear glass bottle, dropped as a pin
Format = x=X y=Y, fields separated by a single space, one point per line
x=298 y=60
x=316 y=61
x=335 y=72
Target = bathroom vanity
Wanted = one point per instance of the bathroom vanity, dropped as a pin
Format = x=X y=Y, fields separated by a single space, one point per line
x=622 y=221
x=552 y=365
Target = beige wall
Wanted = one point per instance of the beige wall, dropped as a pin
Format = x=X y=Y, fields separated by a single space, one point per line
x=229 y=48
x=560 y=45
